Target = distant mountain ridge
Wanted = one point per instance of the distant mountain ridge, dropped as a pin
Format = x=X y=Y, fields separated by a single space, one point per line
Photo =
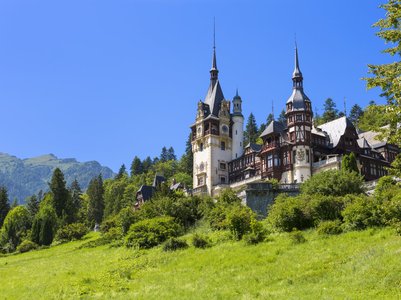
x=25 y=177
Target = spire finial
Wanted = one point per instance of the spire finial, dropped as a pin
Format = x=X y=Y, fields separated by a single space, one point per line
x=213 y=70
x=236 y=93
x=273 y=109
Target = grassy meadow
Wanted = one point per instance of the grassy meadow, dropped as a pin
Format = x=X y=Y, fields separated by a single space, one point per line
x=354 y=265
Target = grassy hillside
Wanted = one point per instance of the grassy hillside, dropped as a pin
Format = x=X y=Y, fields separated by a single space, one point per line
x=355 y=265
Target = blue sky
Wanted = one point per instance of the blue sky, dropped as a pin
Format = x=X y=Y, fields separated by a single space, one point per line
x=108 y=80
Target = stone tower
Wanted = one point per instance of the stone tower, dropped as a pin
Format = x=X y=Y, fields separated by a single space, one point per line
x=238 y=127
x=299 y=123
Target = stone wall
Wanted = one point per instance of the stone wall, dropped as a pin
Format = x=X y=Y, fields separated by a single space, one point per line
x=259 y=196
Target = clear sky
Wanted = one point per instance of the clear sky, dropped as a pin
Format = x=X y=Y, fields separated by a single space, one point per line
x=108 y=80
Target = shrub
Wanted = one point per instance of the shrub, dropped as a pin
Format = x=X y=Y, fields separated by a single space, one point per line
x=362 y=212
x=322 y=208
x=217 y=216
x=173 y=244
x=126 y=218
x=200 y=241
x=109 y=223
x=297 y=237
x=386 y=188
x=392 y=210
x=288 y=213
x=15 y=227
x=228 y=196
x=26 y=246
x=329 y=227
x=333 y=183
x=152 y=232
x=257 y=234
x=71 y=232
x=239 y=221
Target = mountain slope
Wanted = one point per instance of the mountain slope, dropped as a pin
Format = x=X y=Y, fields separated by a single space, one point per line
x=25 y=177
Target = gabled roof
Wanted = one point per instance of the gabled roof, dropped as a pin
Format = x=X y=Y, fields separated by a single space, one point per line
x=158 y=180
x=146 y=191
x=372 y=138
x=254 y=147
x=363 y=143
x=336 y=129
x=273 y=127
x=214 y=97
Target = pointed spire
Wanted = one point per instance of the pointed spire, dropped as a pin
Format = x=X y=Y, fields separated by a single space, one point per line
x=213 y=71
x=236 y=93
x=297 y=74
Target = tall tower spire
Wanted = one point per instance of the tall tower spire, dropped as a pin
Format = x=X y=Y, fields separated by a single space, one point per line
x=213 y=71
x=297 y=74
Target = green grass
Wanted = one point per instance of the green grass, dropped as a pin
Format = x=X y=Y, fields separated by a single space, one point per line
x=355 y=265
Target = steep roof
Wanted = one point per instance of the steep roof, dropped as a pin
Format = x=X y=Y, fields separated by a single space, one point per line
x=146 y=191
x=214 y=97
x=273 y=127
x=336 y=129
x=254 y=147
x=363 y=143
x=372 y=139
x=298 y=98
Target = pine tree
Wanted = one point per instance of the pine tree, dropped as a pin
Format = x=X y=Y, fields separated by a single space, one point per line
x=171 y=154
x=281 y=118
x=121 y=172
x=251 y=130
x=164 y=155
x=269 y=119
x=32 y=204
x=136 y=166
x=187 y=159
x=330 y=111
x=146 y=164
x=76 y=197
x=355 y=113
x=59 y=192
x=96 y=202
x=4 y=205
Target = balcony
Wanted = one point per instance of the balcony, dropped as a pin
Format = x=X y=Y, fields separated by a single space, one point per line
x=328 y=161
x=270 y=146
x=200 y=190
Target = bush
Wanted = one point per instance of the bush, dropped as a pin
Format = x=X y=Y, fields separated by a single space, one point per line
x=217 y=216
x=288 y=213
x=26 y=246
x=330 y=227
x=228 y=196
x=71 y=232
x=333 y=183
x=386 y=188
x=361 y=213
x=200 y=241
x=239 y=221
x=257 y=234
x=152 y=232
x=173 y=244
x=15 y=228
x=324 y=208
x=392 y=210
x=126 y=218
x=297 y=237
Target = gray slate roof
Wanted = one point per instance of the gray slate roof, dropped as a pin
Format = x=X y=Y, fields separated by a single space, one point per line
x=254 y=147
x=273 y=127
x=214 y=97
x=298 y=98
x=336 y=128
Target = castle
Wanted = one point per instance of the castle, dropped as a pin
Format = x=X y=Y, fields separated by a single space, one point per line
x=291 y=152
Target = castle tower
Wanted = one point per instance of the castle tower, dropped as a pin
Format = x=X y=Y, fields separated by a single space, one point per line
x=299 y=123
x=212 y=137
x=238 y=127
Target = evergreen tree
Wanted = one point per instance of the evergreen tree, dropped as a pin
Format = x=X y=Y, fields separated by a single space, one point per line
x=59 y=192
x=121 y=172
x=136 y=166
x=281 y=118
x=146 y=164
x=4 y=205
x=171 y=154
x=186 y=163
x=44 y=226
x=355 y=113
x=330 y=111
x=349 y=163
x=32 y=204
x=269 y=119
x=76 y=197
x=96 y=202
x=251 y=130
x=164 y=155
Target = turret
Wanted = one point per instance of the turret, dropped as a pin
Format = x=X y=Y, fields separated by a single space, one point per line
x=238 y=127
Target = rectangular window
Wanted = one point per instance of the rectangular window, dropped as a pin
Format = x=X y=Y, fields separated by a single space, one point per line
x=293 y=156
x=299 y=117
x=307 y=155
x=223 y=146
x=222 y=180
x=222 y=166
x=200 y=181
